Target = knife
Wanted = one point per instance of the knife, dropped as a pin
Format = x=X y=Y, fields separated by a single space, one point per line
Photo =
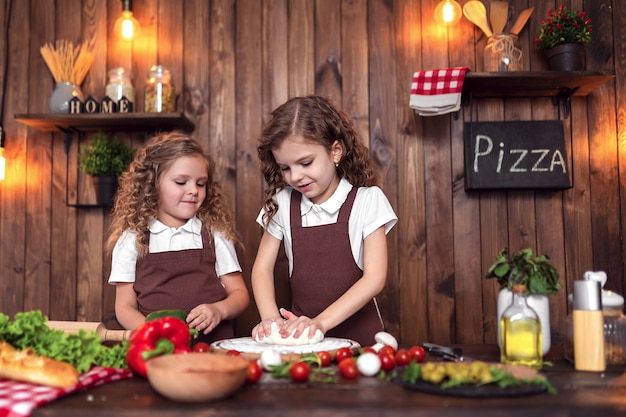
x=446 y=352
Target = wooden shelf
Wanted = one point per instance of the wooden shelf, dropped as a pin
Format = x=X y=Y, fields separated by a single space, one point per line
x=106 y=121
x=71 y=124
x=533 y=84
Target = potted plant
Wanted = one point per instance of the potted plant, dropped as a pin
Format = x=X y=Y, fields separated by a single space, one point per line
x=538 y=275
x=104 y=159
x=563 y=36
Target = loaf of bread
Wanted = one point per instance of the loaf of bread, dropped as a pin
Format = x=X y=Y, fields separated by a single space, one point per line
x=26 y=366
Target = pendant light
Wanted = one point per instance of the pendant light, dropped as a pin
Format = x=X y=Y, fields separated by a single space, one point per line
x=126 y=26
x=448 y=12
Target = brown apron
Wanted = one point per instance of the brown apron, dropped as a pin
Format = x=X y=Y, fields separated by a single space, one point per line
x=182 y=280
x=324 y=269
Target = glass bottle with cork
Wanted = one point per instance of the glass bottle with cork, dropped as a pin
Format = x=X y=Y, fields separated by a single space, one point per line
x=520 y=332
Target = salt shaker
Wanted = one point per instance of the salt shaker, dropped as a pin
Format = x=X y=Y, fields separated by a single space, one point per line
x=588 y=326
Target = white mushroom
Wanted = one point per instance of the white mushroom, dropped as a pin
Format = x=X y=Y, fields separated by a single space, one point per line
x=384 y=339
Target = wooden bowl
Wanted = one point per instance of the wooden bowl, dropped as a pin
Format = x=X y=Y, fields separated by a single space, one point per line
x=197 y=377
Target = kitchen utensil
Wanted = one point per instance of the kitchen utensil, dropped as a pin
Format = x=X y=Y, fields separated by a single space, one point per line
x=521 y=20
x=105 y=334
x=498 y=15
x=446 y=352
x=476 y=13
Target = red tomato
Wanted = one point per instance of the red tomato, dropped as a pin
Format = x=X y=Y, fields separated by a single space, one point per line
x=348 y=369
x=418 y=353
x=300 y=371
x=254 y=372
x=368 y=349
x=343 y=353
x=403 y=357
x=233 y=352
x=201 y=347
x=388 y=349
x=387 y=361
x=325 y=358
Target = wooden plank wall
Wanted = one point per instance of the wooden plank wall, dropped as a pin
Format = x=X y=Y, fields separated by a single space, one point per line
x=235 y=60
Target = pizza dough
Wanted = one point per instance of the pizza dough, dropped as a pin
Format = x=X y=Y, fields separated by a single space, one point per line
x=275 y=338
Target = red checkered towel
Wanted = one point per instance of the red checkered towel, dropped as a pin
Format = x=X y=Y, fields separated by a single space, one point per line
x=18 y=399
x=438 y=91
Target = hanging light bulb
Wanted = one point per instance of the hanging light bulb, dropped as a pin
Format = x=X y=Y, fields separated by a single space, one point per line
x=448 y=12
x=3 y=161
x=126 y=26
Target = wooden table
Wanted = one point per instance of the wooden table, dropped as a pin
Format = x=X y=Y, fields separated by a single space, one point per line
x=579 y=394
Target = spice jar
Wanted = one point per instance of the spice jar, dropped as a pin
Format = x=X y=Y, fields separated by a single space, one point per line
x=160 y=93
x=120 y=85
x=502 y=53
x=614 y=328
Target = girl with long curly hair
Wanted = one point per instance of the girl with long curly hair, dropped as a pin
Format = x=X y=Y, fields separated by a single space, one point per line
x=322 y=202
x=173 y=241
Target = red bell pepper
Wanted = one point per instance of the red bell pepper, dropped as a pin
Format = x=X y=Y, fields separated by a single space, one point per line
x=163 y=336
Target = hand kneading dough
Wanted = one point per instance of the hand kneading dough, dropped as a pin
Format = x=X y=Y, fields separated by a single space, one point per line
x=275 y=338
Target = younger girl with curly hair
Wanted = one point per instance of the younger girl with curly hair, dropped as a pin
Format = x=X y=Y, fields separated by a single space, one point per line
x=323 y=203
x=173 y=241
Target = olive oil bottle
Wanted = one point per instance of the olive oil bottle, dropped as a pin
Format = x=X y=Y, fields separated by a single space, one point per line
x=520 y=331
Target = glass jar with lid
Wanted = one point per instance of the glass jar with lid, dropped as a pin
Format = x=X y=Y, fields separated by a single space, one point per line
x=120 y=85
x=160 y=94
x=614 y=325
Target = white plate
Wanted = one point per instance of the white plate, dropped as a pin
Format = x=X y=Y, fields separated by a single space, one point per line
x=248 y=345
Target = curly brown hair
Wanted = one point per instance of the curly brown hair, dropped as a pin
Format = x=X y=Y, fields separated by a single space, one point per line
x=137 y=199
x=318 y=120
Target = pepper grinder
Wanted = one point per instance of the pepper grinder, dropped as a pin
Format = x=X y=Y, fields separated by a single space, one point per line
x=588 y=326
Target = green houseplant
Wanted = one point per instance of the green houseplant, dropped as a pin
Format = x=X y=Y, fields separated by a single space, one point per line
x=538 y=275
x=563 y=36
x=104 y=159
x=524 y=267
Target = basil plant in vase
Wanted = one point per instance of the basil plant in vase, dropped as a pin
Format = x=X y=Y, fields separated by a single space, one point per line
x=538 y=275
x=104 y=159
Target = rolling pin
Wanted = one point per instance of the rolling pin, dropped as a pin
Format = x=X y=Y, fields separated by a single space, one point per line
x=105 y=334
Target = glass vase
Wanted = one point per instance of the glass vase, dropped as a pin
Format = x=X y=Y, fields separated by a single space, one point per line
x=61 y=96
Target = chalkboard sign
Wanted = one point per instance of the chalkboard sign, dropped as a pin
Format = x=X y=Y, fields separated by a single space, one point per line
x=516 y=155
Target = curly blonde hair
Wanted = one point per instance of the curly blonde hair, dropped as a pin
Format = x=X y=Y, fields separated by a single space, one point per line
x=319 y=121
x=137 y=199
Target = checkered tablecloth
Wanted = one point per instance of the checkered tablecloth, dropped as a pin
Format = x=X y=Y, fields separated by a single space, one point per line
x=437 y=91
x=18 y=399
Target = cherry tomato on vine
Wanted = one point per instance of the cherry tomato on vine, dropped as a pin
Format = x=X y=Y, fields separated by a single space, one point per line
x=201 y=347
x=368 y=349
x=388 y=349
x=325 y=358
x=418 y=353
x=343 y=353
x=254 y=372
x=387 y=361
x=300 y=371
x=348 y=369
x=403 y=357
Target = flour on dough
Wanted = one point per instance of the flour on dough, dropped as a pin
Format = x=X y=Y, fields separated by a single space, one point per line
x=275 y=338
